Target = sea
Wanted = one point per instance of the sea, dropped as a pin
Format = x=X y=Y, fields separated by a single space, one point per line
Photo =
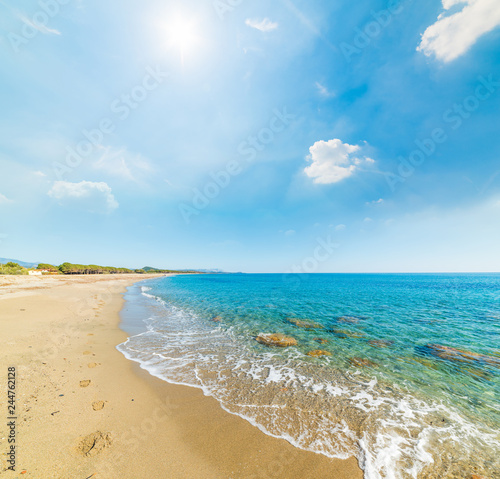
x=399 y=370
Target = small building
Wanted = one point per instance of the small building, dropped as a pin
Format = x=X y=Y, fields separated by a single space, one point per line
x=37 y=272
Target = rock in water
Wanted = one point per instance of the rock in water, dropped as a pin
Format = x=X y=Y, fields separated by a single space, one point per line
x=380 y=343
x=343 y=333
x=304 y=324
x=348 y=319
x=276 y=340
x=317 y=353
x=362 y=362
x=321 y=340
x=459 y=355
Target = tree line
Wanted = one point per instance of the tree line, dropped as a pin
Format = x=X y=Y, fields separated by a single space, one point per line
x=70 y=268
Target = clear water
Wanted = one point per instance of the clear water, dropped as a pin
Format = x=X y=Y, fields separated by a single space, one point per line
x=387 y=394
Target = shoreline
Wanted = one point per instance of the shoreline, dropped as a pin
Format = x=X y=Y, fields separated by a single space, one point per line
x=124 y=423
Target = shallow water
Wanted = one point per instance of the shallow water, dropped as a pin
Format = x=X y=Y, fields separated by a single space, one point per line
x=390 y=393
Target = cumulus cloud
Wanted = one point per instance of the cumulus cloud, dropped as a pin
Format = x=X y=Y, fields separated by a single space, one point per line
x=86 y=195
x=290 y=233
x=4 y=200
x=264 y=25
x=452 y=35
x=333 y=161
x=340 y=227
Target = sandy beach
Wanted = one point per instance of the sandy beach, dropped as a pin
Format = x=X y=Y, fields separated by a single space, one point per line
x=84 y=411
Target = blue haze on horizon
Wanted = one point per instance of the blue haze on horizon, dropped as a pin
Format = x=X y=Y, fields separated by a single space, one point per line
x=317 y=136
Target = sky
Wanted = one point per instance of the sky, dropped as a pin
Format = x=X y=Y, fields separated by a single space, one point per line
x=287 y=136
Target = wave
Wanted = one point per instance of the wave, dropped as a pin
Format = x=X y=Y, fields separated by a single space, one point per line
x=313 y=405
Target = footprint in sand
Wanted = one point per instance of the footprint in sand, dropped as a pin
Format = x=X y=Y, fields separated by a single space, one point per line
x=93 y=365
x=98 y=405
x=94 y=443
x=85 y=383
x=86 y=353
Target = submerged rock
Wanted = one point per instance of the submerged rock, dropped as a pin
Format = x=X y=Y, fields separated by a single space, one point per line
x=343 y=333
x=276 y=340
x=348 y=319
x=380 y=343
x=304 y=324
x=478 y=374
x=321 y=340
x=426 y=362
x=318 y=353
x=459 y=355
x=217 y=319
x=362 y=362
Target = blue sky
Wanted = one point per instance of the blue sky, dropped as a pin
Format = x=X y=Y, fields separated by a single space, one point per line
x=305 y=136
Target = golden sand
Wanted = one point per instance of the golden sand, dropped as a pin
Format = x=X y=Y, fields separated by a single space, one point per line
x=84 y=411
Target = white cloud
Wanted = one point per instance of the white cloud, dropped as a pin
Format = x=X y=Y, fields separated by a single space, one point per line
x=264 y=25
x=333 y=161
x=368 y=220
x=323 y=90
x=39 y=173
x=452 y=35
x=39 y=26
x=121 y=163
x=290 y=233
x=87 y=195
x=4 y=200
x=340 y=227
x=375 y=202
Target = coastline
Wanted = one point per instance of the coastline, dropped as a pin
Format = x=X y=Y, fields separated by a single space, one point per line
x=125 y=423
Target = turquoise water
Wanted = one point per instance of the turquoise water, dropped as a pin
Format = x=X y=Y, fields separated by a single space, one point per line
x=389 y=389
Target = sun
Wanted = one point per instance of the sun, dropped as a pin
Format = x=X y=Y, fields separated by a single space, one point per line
x=183 y=35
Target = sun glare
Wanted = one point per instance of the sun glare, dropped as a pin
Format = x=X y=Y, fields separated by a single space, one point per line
x=183 y=35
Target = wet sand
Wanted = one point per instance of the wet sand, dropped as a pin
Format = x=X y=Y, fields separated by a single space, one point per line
x=84 y=411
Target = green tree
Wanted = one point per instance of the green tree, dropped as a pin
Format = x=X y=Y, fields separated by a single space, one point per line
x=47 y=266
